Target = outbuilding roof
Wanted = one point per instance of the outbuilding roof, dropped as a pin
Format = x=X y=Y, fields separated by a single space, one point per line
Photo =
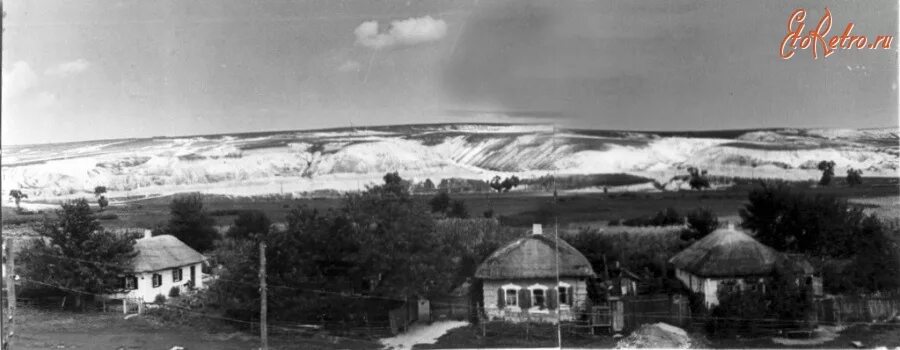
x=727 y=252
x=534 y=256
x=163 y=252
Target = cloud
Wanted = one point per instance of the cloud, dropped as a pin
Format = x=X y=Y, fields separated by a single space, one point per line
x=68 y=68
x=18 y=79
x=407 y=32
x=350 y=66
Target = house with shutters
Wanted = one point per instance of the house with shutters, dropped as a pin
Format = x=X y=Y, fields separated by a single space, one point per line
x=535 y=278
x=162 y=263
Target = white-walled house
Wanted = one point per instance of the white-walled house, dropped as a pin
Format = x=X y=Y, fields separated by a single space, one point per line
x=526 y=280
x=162 y=262
x=725 y=260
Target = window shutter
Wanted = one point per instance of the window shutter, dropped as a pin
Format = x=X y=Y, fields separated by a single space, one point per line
x=501 y=298
x=524 y=298
x=551 y=298
x=571 y=291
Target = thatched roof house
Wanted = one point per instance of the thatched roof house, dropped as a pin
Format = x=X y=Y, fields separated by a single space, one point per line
x=534 y=256
x=163 y=252
x=163 y=263
x=727 y=252
x=731 y=260
x=526 y=280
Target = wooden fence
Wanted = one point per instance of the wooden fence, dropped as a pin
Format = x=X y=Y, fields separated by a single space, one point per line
x=403 y=316
x=671 y=309
x=857 y=308
x=451 y=308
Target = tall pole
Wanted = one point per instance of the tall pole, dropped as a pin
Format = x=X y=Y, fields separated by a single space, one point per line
x=556 y=241
x=10 y=294
x=263 y=333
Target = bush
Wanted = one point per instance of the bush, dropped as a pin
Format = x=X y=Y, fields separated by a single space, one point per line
x=458 y=210
x=700 y=222
x=160 y=299
x=666 y=217
x=174 y=292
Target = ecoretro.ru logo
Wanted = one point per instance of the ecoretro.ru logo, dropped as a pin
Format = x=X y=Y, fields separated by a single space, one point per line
x=817 y=39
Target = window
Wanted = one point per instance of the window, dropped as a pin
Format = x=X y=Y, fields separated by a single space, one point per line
x=157 y=280
x=130 y=282
x=512 y=297
x=563 y=293
x=537 y=296
x=176 y=274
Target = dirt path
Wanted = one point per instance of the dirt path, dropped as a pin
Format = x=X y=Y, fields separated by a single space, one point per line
x=421 y=334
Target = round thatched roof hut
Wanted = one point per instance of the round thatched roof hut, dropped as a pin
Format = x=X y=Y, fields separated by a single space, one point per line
x=534 y=256
x=727 y=252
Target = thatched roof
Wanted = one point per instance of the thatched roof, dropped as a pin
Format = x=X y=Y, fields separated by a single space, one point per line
x=727 y=253
x=163 y=252
x=534 y=256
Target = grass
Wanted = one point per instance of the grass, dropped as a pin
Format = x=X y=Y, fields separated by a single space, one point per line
x=517 y=208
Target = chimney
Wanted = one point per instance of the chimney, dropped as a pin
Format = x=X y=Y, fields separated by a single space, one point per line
x=536 y=229
x=148 y=233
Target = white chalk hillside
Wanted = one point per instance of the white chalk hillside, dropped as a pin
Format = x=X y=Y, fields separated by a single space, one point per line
x=350 y=159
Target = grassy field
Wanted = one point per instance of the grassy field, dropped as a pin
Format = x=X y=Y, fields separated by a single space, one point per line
x=516 y=208
x=43 y=329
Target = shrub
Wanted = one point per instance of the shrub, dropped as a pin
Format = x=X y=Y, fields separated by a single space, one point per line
x=440 y=202
x=160 y=299
x=458 y=210
x=488 y=213
x=666 y=217
x=700 y=222
x=174 y=292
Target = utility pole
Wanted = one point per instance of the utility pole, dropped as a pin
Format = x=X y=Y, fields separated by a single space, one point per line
x=262 y=297
x=10 y=294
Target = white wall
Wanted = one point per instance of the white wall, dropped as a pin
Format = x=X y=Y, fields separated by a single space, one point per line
x=148 y=293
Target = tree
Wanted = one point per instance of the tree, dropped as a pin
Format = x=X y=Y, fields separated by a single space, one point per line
x=698 y=180
x=18 y=196
x=99 y=190
x=700 y=222
x=102 y=202
x=77 y=254
x=250 y=224
x=497 y=184
x=381 y=243
x=440 y=203
x=854 y=177
x=190 y=223
x=458 y=210
x=827 y=168
x=876 y=265
x=504 y=185
x=791 y=221
x=428 y=185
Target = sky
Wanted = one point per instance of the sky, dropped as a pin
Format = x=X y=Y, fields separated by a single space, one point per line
x=100 y=69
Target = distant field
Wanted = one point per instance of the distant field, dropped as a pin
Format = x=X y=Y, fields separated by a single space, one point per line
x=517 y=208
